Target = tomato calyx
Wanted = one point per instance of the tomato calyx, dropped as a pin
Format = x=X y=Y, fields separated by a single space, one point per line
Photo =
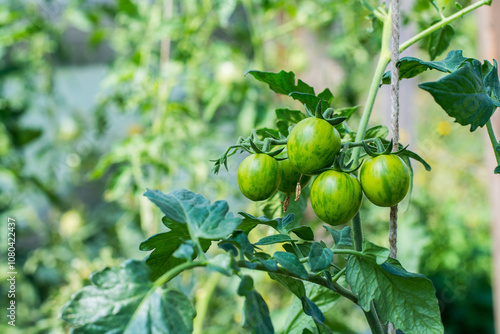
x=381 y=149
x=273 y=154
x=327 y=115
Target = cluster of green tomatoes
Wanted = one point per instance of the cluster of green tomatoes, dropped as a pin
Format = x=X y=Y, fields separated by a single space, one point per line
x=336 y=195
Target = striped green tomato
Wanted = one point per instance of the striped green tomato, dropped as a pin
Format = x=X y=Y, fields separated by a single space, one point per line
x=289 y=178
x=259 y=176
x=336 y=197
x=385 y=180
x=312 y=145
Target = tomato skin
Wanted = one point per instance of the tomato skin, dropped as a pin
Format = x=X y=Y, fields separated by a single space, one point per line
x=289 y=178
x=385 y=180
x=259 y=176
x=336 y=197
x=312 y=145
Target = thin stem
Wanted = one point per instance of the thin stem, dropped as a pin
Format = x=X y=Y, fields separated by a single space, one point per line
x=164 y=279
x=338 y=275
x=494 y=141
x=311 y=278
x=357 y=232
x=442 y=23
x=373 y=320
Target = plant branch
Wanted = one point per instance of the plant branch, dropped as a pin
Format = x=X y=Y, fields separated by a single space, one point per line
x=444 y=21
x=357 y=232
x=494 y=141
x=311 y=278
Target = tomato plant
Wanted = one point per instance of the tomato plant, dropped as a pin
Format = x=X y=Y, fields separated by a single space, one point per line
x=321 y=142
x=385 y=180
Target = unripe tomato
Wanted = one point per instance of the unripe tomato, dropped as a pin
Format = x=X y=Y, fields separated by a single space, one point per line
x=312 y=145
x=259 y=176
x=336 y=197
x=385 y=180
x=289 y=178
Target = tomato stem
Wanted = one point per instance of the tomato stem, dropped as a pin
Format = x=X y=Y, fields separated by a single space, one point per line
x=494 y=141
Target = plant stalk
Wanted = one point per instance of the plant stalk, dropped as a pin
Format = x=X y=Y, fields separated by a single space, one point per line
x=494 y=141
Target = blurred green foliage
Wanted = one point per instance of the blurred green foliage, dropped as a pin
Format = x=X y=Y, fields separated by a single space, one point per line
x=168 y=93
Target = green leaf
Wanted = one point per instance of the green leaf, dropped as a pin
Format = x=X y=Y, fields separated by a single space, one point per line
x=117 y=301
x=415 y=156
x=319 y=258
x=163 y=246
x=294 y=285
x=299 y=322
x=222 y=263
x=410 y=67
x=346 y=112
x=274 y=239
x=257 y=318
x=312 y=310
x=185 y=251
x=491 y=80
x=279 y=224
x=326 y=95
x=304 y=248
x=240 y=240
x=379 y=254
x=310 y=100
x=462 y=94
x=497 y=170
x=204 y=220
x=378 y=131
x=291 y=263
x=341 y=238
x=303 y=232
x=407 y=300
x=282 y=82
x=289 y=115
x=439 y=41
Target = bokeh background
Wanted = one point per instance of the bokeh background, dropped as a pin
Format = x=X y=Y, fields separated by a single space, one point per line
x=101 y=99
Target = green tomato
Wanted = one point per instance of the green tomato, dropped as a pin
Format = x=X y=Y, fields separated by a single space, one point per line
x=385 y=180
x=312 y=145
x=336 y=197
x=259 y=176
x=289 y=178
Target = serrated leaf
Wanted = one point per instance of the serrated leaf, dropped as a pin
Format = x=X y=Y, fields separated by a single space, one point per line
x=341 y=238
x=297 y=321
x=312 y=310
x=291 y=263
x=378 y=253
x=222 y=263
x=309 y=99
x=346 y=112
x=407 y=300
x=439 y=41
x=378 y=131
x=185 y=250
x=415 y=156
x=282 y=82
x=491 y=80
x=118 y=302
x=208 y=221
x=410 y=67
x=319 y=258
x=289 y=115
x=303 y=232
x=163 y=246
x=462 y=94
x=274 y=239
x=249 y=222
x=256 y=312
x=294 y=285
x=326 y=95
